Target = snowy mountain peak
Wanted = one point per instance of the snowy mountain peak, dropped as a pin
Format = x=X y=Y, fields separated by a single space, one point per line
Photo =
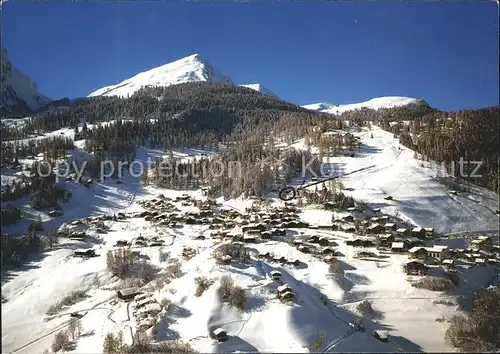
x=192 y=68
x=18 y=91
x=260 y=88
x=374 y=103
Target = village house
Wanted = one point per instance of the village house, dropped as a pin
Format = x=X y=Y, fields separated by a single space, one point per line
x=417 y=253
x=226 y=259
x=385 y=240
x=323 y=241
x=398 y=247
x=348 y=228
x=429 y=231
x=220 y=335
x=84 y=253
x=403 y=232
x=285 y=292
x=121 y=243
x=382 y=336
x=448 y=263
x=313 y=239
x=303 y=249
x=149 y=310
x=329 y=250
x=293 y=262
x=437 y=252
x=415 y=267
x=418 y=232
x=375 y=229
x=275 y=275
x=329 y=259
x=249 y=238
x=390 y=226
x=128 y=294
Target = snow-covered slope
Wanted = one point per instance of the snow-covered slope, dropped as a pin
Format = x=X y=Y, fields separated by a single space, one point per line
x=260 y=88
x=189 y=69
x=16 y=87
x=374 y=103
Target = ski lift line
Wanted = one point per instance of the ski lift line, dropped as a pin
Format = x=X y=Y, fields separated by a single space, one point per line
x=288 y=193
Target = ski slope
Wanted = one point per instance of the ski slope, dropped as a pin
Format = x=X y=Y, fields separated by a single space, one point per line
x=417 y=196
x=374 y=103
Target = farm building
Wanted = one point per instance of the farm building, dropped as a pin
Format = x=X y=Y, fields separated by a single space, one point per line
x=220 y=335
x=285 y=292
x=128 y=294
x=415 y=268
x=414 y=241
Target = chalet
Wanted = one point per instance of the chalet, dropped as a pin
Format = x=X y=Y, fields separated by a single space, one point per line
x=365 y=254
x=54 y=213
x=386 y=240
x=121 y=243
x=226 y=259
x=158 y=243
x=275 y=275
x=140 y=243
x=266 y=235
x=382 y=336
x=285 y=292
x=415 y=268
x=375 y=219
x=348 y=218
x=375 y=229
x=293 y=262
x=141 y=296
x=437 y=252
x=80 y=236
x=149 y=309
x=417 y=253
x=128 y=294
x=481 y=241
x=249 y=238
x=313 y=239
x=297 y=242
x=418 y=232
x=263 y=255
x=303 y=249
x=357 y=242
x=448 y=263
x=390 y=226
x=84 y=253
x=398 y=247
x=348 y=228
x=429 y=231
x=480 y=261
x=121 y=216
x=403 y=232
x=414 y=241
x=323 y=241
x=279 y=232
x=329 y=259
x=329 y=250
x=220 y=335
x=143 y=302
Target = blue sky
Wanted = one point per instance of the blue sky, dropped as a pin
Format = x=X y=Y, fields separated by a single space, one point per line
x=305 y=52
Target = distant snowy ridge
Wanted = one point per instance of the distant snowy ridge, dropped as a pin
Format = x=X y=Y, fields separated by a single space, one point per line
x=374 y=103
x=189 y=69
x=16 y=87
x=260 y=88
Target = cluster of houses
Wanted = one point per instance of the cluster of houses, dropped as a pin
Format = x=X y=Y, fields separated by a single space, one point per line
x=272 y=258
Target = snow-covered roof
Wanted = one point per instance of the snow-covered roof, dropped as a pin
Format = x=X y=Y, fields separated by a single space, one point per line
x=283 y=288
x=218 y=331
x=155 y=307
x=397 y=245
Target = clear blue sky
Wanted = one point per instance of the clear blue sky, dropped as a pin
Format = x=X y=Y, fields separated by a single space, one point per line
x=305 y=52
